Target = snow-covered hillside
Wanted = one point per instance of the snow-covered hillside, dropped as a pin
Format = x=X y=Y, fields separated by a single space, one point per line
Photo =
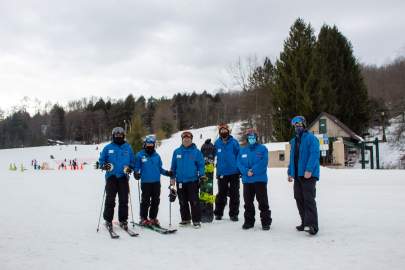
x=48 y=220
x=394 y=148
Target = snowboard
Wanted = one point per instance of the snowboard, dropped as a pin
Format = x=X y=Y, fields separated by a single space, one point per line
x=207 y=199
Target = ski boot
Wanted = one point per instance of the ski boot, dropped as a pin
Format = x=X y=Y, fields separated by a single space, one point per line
x=266 y=227
x=197 y=225
x=185 y=222
x=124 y=225
x=144 y=222
x=154 y=222
x=109 y=225
x=312 y=230
x=300 y=228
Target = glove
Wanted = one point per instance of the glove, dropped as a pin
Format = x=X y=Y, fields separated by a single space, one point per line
x=172 y=194
x=169 y=174
x=201 y=180
x=137 y=176
x=127 y=170
x=107 y=167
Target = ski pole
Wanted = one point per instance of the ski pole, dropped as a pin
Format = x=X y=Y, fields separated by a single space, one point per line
x=170 y=214
x=139 y=196
x=101 y=209
x=132 y=213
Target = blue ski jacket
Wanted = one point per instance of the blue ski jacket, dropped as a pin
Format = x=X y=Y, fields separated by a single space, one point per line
x=187 y=164
x=227 y=155
x=308 y=157
x=150 y=166
x=254 y=157
x=119 y=156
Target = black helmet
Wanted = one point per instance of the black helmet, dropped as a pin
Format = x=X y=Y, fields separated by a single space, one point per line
x=118 y=130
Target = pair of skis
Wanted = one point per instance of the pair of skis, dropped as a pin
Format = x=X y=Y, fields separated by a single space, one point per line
x=156 y=228
x=114 y=235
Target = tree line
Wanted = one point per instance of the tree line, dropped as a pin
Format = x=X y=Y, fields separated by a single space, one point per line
x=311 y=75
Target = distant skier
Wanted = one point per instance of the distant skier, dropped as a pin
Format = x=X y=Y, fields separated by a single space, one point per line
x=304 y=171
x=148 y=168
x=117 y=159
x=188 y=169
x=227 y=150
x=252 y=162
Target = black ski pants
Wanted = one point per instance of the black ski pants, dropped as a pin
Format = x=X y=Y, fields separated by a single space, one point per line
x=228 y=185
x=150 y=198
x=258 y=189
x=113 y=186
x=188 y=198
x=304 y=195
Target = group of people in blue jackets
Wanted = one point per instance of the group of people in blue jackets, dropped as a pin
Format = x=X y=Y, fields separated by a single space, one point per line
x=233 y=162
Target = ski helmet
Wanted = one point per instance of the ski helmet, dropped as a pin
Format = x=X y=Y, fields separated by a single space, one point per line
x=150 y=139
x=299 y=119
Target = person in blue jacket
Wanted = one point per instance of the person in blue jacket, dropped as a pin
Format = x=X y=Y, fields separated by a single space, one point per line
x=148 y=168
x=117 y=159
x=252 y=163
x=227 y=150
x=188 y=169
x=304 y=171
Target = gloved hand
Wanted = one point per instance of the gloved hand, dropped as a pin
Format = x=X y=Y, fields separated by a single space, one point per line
x=169 y=174
x=137 y=175
x=127 y=170
x=107 y=167
x=172 y=193
x=202 y=179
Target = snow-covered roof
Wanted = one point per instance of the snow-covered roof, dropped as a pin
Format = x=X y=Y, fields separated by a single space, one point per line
x=277 y=146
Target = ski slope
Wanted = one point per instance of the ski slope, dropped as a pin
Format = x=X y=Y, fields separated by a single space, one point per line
x=48 y=220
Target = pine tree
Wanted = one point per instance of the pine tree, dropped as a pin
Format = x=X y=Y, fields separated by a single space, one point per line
x=295 y=80
x=342 y=91
x=57 y=123
x=137 y=133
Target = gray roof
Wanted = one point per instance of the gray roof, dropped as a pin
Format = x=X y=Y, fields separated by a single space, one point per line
x=333 y=118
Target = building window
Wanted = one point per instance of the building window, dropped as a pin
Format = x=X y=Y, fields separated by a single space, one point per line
x=281 y=157
x=322 y=126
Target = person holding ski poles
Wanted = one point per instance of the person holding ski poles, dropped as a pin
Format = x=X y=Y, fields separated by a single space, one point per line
x=117 y=159
x=188 y=169
x=252 y=163
x=148 y=168
x=304 y=171
x=227 y=150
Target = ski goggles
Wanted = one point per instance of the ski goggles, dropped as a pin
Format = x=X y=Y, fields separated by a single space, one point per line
x=186 y=134
x=298 y=121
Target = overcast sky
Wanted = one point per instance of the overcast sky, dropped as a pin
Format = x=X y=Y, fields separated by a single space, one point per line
x=63 y=50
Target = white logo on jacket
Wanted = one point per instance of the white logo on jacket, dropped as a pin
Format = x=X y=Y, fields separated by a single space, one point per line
x=178 y=156
x=244 y=156
x=219 y=150
x=111 y=151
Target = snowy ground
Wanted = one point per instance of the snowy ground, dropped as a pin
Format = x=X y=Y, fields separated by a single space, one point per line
x=48 y=220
